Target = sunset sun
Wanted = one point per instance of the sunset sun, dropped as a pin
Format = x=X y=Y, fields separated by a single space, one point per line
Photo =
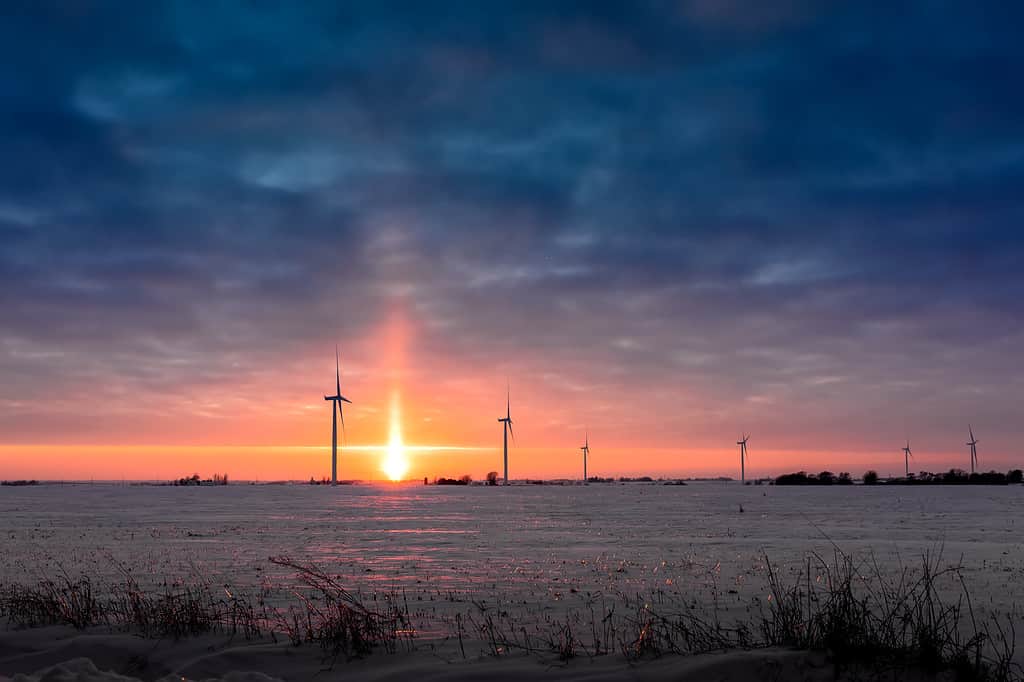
x=396 y=462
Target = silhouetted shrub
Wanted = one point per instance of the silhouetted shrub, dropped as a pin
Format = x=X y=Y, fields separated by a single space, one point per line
x=871 y=477
x=1015 y=476
x=824 y=478
x=492 y=478
x=953 y=477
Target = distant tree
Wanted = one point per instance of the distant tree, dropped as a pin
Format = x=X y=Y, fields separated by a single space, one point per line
x=492 y=478
x=466 y=479
x=1015 y=476
x=871 y=477
x=844 y=478
x=798 y=478
x=955 y=476
x=826 y=478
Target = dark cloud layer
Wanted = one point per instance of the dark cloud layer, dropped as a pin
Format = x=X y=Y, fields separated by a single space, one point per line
x=802 y=211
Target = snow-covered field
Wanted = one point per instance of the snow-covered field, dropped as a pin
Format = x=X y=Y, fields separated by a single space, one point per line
x=537 y=550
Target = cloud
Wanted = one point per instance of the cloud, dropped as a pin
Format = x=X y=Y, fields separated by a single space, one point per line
x=614 y=197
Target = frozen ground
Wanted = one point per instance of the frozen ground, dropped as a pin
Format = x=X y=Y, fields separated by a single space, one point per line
x=539 y=551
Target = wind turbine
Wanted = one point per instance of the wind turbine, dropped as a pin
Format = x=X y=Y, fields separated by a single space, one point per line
x=586 y=451
x=743 y=458
x=337 y=399
x=907 y=454
x=506 y=422
x=973 y=442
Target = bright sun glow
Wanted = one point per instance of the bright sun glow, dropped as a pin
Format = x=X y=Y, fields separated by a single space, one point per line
x=396 y=462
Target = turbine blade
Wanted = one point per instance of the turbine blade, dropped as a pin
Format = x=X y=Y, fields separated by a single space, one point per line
x=511 y=432
x=337 y=369
x=340 y=396
x=342 y=415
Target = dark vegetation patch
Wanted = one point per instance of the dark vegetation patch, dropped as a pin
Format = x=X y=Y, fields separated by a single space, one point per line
x=921 y=621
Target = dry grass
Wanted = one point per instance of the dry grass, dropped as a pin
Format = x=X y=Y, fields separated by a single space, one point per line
x=332 y=618
x=921 y=620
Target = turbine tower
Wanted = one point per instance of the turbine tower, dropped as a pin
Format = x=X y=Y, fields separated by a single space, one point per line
x=336 y=400
x=586 y=451
x=506 y=422
x=907 y=454
x=973 y=442
x=743 y=458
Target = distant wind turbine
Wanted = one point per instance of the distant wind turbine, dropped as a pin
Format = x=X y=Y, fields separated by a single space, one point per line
x=743 y=458
x=907 y=454
x=973 y=442
x=337 y=399
x=506 y=422
x=586 y=451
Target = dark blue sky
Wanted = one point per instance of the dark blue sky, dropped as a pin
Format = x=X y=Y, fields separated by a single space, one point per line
x=699 y=216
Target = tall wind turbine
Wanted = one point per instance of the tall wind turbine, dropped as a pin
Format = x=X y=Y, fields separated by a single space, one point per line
x=506 y=422
x=907 y=454
x=586 y=451
x=337 y=399
x=743 y=458
x=973 y=442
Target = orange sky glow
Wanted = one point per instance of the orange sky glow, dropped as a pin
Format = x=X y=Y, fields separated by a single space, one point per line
x=414 y=416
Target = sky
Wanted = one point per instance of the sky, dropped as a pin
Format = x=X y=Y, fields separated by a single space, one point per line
x=660 y=224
